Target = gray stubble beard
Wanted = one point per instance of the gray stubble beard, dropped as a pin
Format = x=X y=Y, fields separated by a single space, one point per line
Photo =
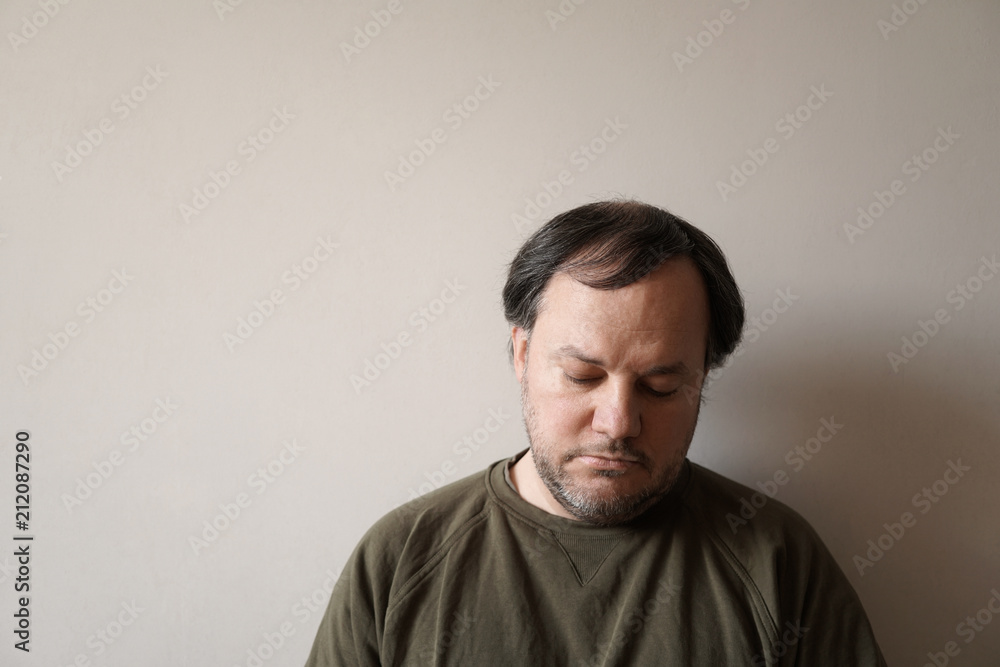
x=608 y=511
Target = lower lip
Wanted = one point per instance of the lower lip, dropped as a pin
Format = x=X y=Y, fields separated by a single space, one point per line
x=606 y=464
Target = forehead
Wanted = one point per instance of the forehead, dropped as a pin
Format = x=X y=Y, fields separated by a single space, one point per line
x=668 y=307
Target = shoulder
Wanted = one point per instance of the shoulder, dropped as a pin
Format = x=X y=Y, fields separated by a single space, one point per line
x=408 y=538
x=438 y=514
x=390 y=559
x=740 y=514
x=765 y=540
x=784 y=565
x=761 y=536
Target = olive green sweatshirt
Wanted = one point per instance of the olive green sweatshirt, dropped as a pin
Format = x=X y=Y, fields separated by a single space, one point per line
x=471 y=574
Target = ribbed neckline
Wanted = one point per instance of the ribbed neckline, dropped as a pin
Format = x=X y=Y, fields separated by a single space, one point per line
x=502 y=491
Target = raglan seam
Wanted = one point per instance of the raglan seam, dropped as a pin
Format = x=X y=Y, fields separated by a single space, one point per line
x=760 y=606
x=432 y=561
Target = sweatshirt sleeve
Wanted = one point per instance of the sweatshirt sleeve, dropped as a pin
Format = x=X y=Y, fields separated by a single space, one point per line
x=390 y=554
x=812 y=615
x=830 y=626
x=348 y=634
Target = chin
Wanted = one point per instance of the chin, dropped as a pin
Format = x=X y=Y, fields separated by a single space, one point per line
x=605 y=503
x=610 y=497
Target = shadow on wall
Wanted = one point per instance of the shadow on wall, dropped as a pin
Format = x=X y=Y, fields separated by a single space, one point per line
x=894 y=470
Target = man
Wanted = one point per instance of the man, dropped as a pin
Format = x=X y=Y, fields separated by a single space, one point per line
x=601 y=544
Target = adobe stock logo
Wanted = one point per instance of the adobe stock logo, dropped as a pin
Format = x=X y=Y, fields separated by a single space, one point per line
x=92 y=137
x=30 y=25
x=633 y=622
x=581 y=158
x=463 y=449
x=924 y=501
x=899 y=17
x=137 y=434
x=915 y=167
x=968 y=630
x=60 y=339
x=789 y=638
x=420 y=319
x=223 y=7
x=260 y=480
x=372 y=29
x=959 y=297
x=105 y=636
x=264 y=309
x=756 y=325
x=796 y=458
x=316 y=601
x=249 y=148
x=787 y=126
x=273 y=641
x=454 y=116
x=562 y=12
x=698 y=43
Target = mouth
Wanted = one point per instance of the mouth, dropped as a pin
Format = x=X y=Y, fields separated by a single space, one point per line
x=608 y=462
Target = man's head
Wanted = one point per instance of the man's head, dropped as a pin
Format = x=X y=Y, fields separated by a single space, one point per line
x=621 y=309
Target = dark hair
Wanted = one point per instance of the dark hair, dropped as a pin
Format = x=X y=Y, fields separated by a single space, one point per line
x=611 y=244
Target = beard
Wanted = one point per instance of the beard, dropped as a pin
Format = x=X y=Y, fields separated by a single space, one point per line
x=607 y=507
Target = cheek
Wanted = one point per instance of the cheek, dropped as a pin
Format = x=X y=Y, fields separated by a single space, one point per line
x=562 y=415
x=673 y=423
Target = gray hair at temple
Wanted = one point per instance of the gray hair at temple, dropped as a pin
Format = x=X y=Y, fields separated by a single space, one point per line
x=611 y=244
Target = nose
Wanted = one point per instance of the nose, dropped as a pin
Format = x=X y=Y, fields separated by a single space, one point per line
x=616 y=412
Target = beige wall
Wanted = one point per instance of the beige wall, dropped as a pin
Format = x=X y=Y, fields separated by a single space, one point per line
x=232 y=158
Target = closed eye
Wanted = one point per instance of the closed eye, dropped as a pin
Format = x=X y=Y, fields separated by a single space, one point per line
x=586 y=380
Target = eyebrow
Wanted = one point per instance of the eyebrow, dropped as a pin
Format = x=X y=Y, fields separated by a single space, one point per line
x=677 y=368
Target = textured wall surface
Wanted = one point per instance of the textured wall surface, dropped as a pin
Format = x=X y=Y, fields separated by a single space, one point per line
x=251 y=256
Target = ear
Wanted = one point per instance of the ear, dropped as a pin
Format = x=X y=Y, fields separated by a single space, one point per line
x=519 y=339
